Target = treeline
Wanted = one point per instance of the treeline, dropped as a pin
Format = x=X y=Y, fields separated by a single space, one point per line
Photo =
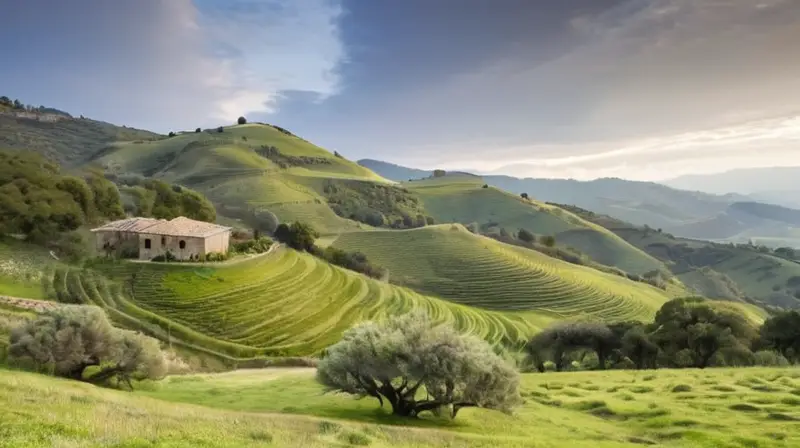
x=375 y=204
x=42 y=204
x=151 y=198
x=19 y=105
x=301 y=236
x=686 y=333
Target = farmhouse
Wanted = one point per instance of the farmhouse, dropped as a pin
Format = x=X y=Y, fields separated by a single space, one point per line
x=146 y=238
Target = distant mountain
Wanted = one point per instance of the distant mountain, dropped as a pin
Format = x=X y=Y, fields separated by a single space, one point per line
x=744 y=181
x=692 y=214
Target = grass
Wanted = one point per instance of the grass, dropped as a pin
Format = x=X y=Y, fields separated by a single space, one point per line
x=462 y=199
x=284 y=303
x=226 y=168
x=284 y=407
x=450 y=262
x=23 y=267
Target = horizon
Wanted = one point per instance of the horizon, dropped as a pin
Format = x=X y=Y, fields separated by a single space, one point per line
x=648 y=90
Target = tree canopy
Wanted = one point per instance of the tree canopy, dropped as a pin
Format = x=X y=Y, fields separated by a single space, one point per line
x=417 y=365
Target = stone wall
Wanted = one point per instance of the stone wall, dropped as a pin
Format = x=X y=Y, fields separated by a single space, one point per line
x=182 y=247
x=218 y=243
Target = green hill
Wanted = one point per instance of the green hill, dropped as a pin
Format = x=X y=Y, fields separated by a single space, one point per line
x=757 y=273
x=247 y=167
x=284 y=303
x=450 y=262
x=462 y=199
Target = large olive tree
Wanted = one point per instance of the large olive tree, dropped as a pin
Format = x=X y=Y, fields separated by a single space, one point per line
x=68 y=340
x=417 y=365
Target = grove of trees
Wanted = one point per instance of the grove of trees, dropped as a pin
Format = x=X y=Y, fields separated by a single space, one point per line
x=686 y=333
x=416 y=365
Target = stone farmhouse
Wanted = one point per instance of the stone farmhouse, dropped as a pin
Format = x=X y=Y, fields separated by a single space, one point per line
x=146 y=238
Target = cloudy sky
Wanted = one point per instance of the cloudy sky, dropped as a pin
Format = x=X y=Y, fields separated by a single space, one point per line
x=639 y=89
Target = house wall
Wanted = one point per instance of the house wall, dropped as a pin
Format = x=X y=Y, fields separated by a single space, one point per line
x=120 y=243
x=159 y=245
x=218 y=243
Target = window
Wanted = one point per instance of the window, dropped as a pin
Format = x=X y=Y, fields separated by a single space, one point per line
x=182 y=244
x=163 y=241
x=147 y=243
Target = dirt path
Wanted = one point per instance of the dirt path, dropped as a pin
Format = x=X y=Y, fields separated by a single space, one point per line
x=29 y=304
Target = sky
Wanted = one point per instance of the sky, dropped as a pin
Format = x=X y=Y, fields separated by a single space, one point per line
x=637 y=89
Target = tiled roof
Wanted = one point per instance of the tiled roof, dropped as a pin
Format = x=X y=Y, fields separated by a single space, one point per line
x=133 y=225
x=179 y=226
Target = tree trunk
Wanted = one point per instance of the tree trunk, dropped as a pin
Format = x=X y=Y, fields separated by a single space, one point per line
x=601 y=358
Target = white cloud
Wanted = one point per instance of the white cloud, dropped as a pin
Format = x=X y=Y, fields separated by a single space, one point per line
x=680 y=82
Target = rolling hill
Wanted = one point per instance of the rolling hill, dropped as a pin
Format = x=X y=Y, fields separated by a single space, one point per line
x=462 y=199
x=691 y=214
x=716 y=270
x=450 y=262
x=284 y=303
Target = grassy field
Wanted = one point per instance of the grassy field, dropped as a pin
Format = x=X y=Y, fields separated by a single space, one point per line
x=449 y=261
x=282 y=303
x=23 y=267
x=689 y=408
x=462 y=199
x=226 y=167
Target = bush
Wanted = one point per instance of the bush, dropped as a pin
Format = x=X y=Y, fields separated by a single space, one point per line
x=526 y=236
x=299 y=236
x=198 y=130
x=241 y=120
x=354 y=261
x=171 y=134
x=216 y=256
x=68 y=340
x=220 y=129
x=397 y=360
x=253 y=246
x=769 y=358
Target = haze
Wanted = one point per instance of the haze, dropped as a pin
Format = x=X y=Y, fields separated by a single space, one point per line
x=641 y=89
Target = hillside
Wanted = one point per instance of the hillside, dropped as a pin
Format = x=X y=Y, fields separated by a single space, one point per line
x=691 y=214
x=716 y=270
x=284 y=303
x=394 y=172
x=65 y=139
x=744 y=181
x=247 y=168
x=462 y=199
x=450 y=262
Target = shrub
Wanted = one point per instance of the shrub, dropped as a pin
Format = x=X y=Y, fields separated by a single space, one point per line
x=171 y=134
x=526 y=236
x=220 y=129
x=216 y=256
x=397 y=360
x=68 y=340
x=355 y=261
x=548 y=240
x=524 y=196
x=241 y=120
x=198 y=130
x=253 y=246
x=769 y=358
x=299 y=236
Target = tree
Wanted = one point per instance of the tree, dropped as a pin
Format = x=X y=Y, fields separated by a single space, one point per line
x=68 y=340
x=557 y=341
x=485 y=186
x=198 y=130
x=6 y=101
x=526 y=236
x=299 y=236
x=107 y=199
x=781 y=333
x=241 y=120
x=439 y=173
x=429 y=220
x=548 y=240
x=637 y=346
x=220 y=129
x=524 y=196
x=18 y=105
x=417 y=365
x=171 y=134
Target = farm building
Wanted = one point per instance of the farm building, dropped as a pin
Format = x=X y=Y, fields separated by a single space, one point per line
x=146 y=238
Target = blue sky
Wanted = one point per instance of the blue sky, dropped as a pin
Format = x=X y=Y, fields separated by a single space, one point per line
x=640 y=89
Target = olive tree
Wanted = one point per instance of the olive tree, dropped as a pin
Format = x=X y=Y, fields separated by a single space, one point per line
x=558 y=341
x=68 y=340
x=417 y=365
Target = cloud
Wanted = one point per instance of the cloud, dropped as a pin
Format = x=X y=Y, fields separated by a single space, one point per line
x=169 y=64
x=632 y=84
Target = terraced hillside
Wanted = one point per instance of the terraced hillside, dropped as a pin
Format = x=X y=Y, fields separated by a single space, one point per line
x=450 y=262
x=462 y=199
x=246 y=167
x=282 y=303
x=709 y=267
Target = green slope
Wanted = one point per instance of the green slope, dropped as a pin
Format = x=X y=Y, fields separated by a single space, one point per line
x=449 y=261
x=227 y=168
x=282 y=303
x=463 y=199
x=707 y=266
